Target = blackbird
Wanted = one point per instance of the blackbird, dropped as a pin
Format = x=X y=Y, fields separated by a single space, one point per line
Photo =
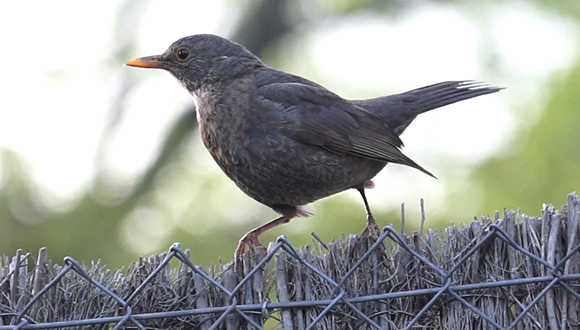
x=285 y=140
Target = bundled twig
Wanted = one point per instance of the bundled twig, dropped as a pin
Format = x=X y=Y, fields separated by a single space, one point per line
x=511 y=272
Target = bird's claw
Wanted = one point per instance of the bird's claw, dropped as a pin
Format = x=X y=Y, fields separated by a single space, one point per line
x=250 y=239
x=372 y=230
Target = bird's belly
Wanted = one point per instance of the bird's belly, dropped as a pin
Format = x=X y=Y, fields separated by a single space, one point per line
x=292 y=173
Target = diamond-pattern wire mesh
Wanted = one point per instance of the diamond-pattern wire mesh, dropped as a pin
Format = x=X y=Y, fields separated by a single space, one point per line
x=446 y=284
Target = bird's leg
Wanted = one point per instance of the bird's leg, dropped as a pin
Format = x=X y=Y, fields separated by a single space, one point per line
x=251 y=239
x=372 y=228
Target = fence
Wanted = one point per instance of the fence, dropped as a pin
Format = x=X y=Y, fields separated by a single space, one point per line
x=515 y=272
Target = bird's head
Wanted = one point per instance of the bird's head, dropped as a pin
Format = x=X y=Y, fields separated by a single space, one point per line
x=200 y=60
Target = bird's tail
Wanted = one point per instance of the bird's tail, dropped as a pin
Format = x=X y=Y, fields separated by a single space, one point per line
x=399 y=110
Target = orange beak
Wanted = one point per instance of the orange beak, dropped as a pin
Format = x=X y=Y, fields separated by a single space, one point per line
x=150 y=62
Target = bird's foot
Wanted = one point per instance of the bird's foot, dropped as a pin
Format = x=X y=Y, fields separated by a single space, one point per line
x=250 y=239
x=371 y=235
x=372 y=230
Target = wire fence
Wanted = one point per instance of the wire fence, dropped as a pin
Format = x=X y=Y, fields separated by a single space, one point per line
x=514 y=272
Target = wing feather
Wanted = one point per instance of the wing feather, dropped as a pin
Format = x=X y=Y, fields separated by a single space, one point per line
x=325 y=119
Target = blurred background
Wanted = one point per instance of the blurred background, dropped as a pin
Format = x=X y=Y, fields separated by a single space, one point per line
x=102 y=161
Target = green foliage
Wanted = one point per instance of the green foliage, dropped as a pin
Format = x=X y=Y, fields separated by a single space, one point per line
x=541 y=166
x=543 y=163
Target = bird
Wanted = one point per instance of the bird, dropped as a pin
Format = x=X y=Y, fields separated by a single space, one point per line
x=287 y=141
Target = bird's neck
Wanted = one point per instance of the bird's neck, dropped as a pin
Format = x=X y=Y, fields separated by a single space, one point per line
x=218 y=120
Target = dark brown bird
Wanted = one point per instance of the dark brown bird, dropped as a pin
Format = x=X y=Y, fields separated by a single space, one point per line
x=287 y=141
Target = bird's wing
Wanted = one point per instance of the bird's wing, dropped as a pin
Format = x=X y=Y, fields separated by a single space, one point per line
x=329 y=121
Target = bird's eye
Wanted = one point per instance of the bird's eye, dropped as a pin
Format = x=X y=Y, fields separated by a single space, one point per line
x=182 y=54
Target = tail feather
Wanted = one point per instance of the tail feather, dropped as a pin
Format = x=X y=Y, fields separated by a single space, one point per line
x=399 y=110
x=438 y=95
